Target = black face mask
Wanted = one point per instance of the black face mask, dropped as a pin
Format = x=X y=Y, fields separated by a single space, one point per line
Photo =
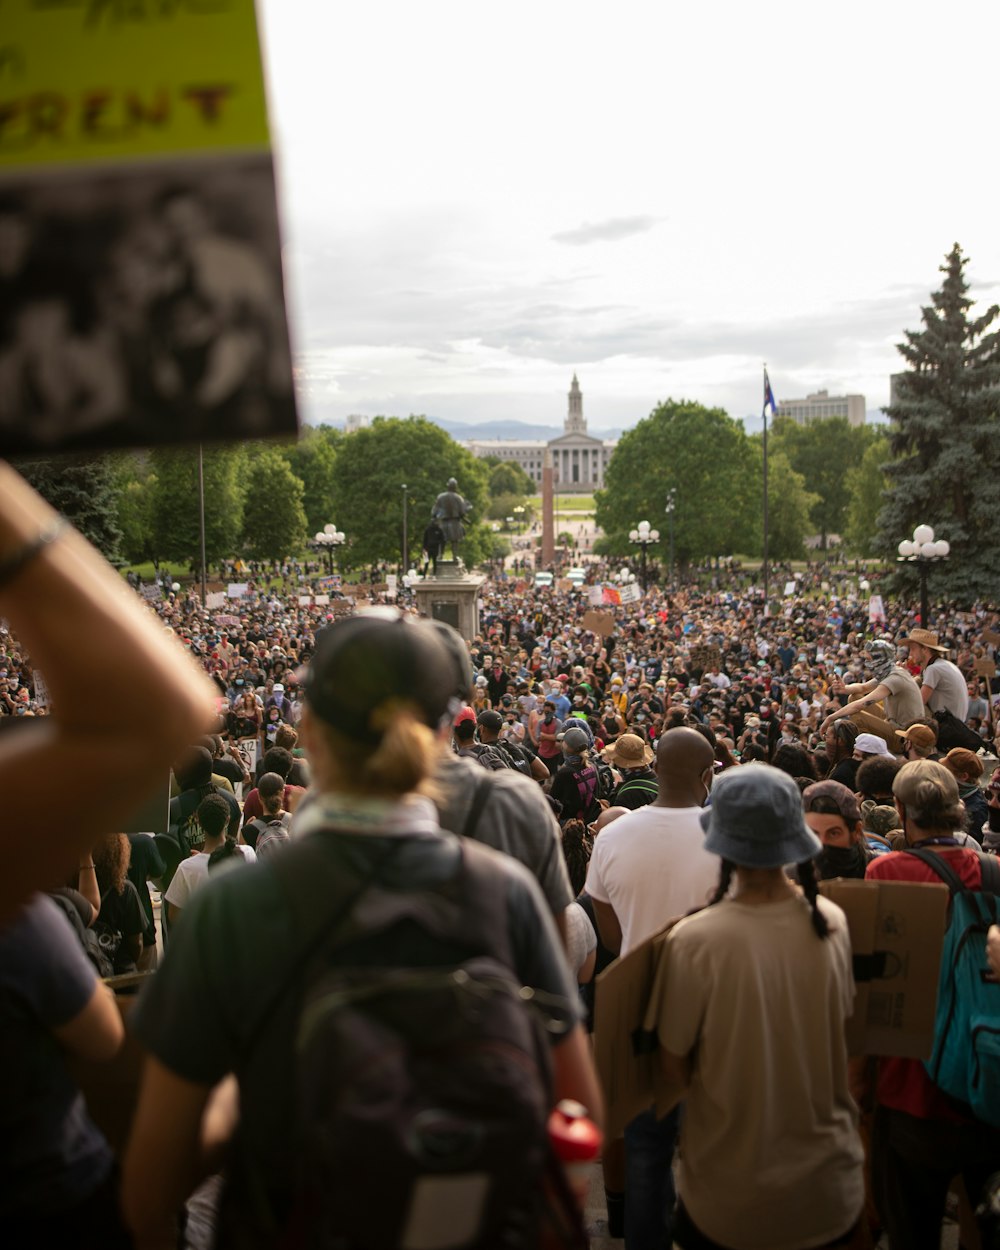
x=994 y=819
x=841 y=861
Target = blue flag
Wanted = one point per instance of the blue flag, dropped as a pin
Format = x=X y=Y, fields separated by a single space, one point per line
x=769 y=396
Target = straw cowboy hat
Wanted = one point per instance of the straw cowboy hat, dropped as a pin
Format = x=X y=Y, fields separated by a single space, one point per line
x=924 y=638
x=628 y=751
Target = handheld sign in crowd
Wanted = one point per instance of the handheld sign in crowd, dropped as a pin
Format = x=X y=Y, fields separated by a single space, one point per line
x=140 y=280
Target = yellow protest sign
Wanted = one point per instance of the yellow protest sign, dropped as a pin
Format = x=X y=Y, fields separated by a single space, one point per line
x=141 y=295
x=108 y=80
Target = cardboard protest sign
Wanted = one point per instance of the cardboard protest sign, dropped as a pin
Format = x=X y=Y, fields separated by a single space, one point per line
x=897 y=930
x=992 y=638
x=236 y=590
x=217 y=599
x=602 y=624
x=140 y=282
x=986 y=668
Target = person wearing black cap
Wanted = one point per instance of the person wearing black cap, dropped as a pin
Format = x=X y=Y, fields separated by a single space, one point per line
x=749 y=1005
x=371 y=863
x=502 y=809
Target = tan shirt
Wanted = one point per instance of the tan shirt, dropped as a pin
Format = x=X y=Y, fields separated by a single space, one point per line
x=904 y=703
x=771 y=1158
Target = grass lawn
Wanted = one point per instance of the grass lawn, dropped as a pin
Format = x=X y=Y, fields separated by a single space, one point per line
x=565 y=503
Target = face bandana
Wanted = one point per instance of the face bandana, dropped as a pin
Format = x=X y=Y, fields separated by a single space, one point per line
x=881 y=658
x=841 y=861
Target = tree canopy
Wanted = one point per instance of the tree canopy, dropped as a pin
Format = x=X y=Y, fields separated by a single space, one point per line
x=274 y=520
x=823 y=452
x=508 y=478
x=370 y=470
x=83 y=488
x=944 y=465
x=706 y=456
x=175 y=503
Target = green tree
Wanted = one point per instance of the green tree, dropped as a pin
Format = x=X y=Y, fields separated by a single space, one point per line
x=788 y=504
x=370 y=470
x=823 y=452
x=944 y=468
x=707 y=457
x=175 y=503
x=508 y=478
x=135 y=484
x=311 y=459
x=274 y=520
x=868 y=484
x=82 y=488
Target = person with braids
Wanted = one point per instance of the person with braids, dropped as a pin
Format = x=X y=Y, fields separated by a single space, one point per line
x=581 y=937
x=922 y=1138
x=839 y=741
x=749 y=1006
x=889 y=684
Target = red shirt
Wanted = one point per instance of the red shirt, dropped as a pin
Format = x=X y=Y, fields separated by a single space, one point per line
x=903 y=1084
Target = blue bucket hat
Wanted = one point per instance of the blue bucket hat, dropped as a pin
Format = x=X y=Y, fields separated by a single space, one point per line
x=756 y=819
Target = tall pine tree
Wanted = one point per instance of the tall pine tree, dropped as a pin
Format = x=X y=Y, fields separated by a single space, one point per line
x=945 y=442
x=83 y=488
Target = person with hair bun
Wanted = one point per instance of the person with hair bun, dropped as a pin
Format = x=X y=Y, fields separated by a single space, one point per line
x=371 y=880
x=922 y=1139
x=749 y=1006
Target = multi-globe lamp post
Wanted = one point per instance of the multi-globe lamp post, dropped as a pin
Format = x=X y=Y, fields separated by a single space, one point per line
x=642 y=537
x=923 y=549
x=329 y=539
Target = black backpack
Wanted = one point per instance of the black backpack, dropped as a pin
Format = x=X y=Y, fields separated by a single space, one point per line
x=518 y=757
x=88 y=939
x=605 y=778
x=492 y=756
x=432 y=1081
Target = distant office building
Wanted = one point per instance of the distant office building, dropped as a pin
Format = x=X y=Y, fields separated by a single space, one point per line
x=821 y=405
x=356 y=421
x=578 y=459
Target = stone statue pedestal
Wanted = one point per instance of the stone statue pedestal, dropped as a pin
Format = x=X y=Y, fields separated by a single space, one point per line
x=451 y=595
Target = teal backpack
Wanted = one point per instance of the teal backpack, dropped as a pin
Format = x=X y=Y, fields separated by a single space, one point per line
x=965 y=1061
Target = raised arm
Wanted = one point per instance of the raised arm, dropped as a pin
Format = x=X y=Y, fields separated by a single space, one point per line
x=126 y=698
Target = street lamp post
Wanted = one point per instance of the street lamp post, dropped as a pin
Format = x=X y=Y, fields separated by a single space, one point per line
x=642 y=537
x=404 y=563
x=328 y=539
x=923 y=550
x=519 y=516
x=671 y=504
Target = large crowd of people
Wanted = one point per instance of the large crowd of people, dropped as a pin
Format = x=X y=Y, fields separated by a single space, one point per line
x=337 y=769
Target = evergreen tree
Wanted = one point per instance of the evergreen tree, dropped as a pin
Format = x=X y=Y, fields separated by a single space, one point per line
x=945 y=441
x=274 y=521
x=82 y=488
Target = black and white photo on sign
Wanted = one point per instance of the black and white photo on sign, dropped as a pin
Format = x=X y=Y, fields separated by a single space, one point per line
x=142 y=305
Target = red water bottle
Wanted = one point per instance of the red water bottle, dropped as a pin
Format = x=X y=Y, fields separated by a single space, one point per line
x=576 y=1145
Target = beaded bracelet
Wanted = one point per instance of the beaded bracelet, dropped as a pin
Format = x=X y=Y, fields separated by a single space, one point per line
x=10 y=567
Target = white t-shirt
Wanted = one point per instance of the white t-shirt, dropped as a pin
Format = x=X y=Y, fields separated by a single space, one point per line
x=651 y=866
x=950 y=688
x=771 y=1157
x=192 y=873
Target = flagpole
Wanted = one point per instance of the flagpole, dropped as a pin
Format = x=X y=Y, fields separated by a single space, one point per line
x=764 y=416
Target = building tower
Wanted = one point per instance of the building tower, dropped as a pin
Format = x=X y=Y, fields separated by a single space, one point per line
x=575 y=422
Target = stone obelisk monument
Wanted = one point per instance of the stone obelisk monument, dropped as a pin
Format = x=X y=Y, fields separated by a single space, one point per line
x=548 y=518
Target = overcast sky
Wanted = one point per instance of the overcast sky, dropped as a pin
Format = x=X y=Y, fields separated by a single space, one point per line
x=480 y=199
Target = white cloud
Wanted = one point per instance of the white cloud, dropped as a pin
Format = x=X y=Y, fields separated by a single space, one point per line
x=771 y=183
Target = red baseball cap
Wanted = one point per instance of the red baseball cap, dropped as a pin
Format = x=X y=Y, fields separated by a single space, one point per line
x=467 y=713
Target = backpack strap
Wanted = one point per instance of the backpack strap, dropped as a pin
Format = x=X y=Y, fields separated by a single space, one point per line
x=937 y=865
x=332 y=899
x=990 y=870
